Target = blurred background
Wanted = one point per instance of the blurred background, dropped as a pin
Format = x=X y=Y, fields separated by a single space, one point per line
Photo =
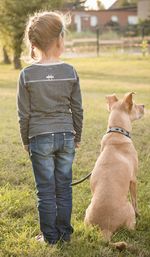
x=98 y=27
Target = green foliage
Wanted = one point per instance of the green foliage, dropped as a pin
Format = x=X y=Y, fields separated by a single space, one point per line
x=100 y=5
x=18 y=214
x=144 y=26
x=125 y=3
x=129 y=2
x=144 y=47
x=113 y=26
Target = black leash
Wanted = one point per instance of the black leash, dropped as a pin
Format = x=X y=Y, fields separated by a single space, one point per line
x=81 y=180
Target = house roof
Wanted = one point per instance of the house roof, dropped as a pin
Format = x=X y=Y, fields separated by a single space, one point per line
x=125 y=8
x=133 y=9
x=118 y=5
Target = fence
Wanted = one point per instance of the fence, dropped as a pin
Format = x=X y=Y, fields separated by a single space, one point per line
x=132 y=40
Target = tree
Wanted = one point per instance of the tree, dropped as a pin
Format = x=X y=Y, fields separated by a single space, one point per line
x=74 y=4
x=124 y=3
x=5 y=47
x=100 y=5
x=129 y=2
x=6 y=59
x=13 y=17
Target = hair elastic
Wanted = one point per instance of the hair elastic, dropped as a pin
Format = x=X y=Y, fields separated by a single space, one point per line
x=32 y=47
x=62 y=30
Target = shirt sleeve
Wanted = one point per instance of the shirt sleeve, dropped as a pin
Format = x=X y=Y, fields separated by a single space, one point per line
x=23 y=108
x=76 y=108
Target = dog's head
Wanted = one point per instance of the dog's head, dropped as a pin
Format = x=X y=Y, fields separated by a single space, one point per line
x=135 y=111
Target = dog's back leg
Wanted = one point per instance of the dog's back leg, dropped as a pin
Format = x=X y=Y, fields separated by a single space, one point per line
x=130 y=220
x=107 y=234
x=134 y=196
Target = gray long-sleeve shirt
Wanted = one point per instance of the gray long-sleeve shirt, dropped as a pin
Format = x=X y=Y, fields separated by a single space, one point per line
x=49 y=100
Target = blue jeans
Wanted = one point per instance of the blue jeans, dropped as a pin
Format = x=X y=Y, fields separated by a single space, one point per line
x=52 y=156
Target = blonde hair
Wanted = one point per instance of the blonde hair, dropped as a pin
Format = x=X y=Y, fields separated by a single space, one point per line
x=43 y=29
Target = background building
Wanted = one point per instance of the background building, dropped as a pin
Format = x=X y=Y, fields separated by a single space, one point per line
x=144 y=9
x=88 y=20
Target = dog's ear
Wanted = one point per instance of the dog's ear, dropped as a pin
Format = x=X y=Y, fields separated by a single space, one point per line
x=128 y=100
x=111 y=99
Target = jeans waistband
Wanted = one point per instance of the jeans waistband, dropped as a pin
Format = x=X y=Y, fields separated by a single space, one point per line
x=51 y=135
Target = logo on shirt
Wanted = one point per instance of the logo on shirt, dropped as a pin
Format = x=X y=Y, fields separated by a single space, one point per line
x=50 y=77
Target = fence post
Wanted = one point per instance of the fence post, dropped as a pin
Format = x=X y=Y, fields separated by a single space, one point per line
x=143 y=32
x=97 y=40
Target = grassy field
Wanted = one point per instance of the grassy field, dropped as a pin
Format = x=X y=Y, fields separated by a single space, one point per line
x=18 y=213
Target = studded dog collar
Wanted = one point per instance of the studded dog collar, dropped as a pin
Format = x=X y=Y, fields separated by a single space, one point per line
x=119 y=130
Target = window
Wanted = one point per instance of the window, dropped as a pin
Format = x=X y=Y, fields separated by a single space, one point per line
x=93 y=21
x=132 y=20
x=114 y=18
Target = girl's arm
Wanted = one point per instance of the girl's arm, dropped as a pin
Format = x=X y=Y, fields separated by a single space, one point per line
x=77 y=111
x=23 y=108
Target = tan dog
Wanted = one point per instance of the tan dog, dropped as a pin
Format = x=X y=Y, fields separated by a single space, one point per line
x=115 y=171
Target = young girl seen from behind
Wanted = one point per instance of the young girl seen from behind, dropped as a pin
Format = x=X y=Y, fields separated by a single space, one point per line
x=50 y=117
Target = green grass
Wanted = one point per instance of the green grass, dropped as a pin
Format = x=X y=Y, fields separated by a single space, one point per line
x=18 y=213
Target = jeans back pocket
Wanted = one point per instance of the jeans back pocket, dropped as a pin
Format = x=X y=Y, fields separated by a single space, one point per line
x=69 y=144
x=42 y=145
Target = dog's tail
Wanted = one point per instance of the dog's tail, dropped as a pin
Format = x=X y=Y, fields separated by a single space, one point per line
x=118 y=245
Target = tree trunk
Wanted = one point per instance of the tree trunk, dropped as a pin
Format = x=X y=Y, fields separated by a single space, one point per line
x=6 y=59
x=17 y=62
x=17 y=53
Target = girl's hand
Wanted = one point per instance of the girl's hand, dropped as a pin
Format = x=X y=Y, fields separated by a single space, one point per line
x=77 y=144
x=26 y=148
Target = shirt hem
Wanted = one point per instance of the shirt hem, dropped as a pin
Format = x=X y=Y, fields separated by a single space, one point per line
x=50 y=132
